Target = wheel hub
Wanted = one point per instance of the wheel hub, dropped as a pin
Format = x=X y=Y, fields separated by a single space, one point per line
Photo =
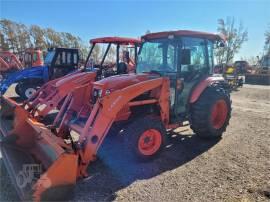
x=219 y=114
x=29 y=92
x=150 y=142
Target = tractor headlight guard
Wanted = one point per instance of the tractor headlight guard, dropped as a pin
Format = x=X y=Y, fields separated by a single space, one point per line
x=99 y=92
x=108 y=92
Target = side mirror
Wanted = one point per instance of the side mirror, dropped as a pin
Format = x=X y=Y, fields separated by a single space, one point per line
x=185 y=57
x=221 y=44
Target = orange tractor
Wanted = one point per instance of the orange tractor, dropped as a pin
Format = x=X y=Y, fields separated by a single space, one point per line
x=9 y=62
x=173 y=83
x=52 y=94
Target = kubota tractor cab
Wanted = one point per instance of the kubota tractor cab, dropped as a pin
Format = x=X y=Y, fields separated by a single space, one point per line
x=58 y=62
x=32 y=57
x=173 y=83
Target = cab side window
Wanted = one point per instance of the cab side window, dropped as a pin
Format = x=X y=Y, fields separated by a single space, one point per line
x=210 y=49
x=35 y=57
x=64 y=58
x=75 y=58
x=69 y=61
x=171 y=57
x=58 y=60
x=193 y=55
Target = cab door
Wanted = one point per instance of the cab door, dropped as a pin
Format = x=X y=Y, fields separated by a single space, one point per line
x=193 y=66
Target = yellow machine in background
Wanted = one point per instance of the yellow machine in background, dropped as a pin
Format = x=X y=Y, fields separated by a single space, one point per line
x=234 y=74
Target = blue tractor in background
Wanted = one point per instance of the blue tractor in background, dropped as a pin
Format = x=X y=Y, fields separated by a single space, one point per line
x=58 y=62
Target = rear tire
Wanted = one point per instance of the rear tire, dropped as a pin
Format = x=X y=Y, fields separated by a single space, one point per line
x=211 y=113
x=144 y=138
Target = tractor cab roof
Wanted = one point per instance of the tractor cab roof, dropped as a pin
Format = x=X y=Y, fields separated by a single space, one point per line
x=182 y=33
x=116 y=40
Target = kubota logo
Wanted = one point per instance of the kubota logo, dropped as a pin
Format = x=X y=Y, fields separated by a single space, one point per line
x=28 y=175
x=114 y=103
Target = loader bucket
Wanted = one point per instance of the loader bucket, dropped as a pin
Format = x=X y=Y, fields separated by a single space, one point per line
x=13 y=119
x=41 y=165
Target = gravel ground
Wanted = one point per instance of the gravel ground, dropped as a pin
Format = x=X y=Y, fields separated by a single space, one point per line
x=235 y=168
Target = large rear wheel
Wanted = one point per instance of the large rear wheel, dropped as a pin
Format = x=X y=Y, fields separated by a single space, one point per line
x=144 y=138
x=211 y=113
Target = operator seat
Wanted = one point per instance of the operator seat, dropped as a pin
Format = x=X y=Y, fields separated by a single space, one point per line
x=122 y=68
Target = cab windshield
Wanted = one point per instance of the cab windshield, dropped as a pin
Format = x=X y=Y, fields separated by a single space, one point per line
x=187 y=54
x=157 y=55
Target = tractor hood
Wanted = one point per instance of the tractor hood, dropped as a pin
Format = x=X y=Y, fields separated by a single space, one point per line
x=121 y=81
x=38 y=72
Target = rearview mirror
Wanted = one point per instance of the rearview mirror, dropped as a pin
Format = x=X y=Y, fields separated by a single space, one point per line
x=185 y=57
x=221 y=44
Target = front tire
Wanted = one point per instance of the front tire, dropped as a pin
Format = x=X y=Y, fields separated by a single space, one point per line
x=26 y=90
x=211 y=113
x=17 y=89
x=144 y=138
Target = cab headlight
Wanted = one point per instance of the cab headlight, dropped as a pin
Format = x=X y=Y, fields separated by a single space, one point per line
x=107 y=92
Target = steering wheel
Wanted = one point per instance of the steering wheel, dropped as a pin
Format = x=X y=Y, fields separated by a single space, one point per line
x=122 y=68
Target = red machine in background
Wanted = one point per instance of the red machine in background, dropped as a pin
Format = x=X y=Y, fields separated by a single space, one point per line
x=29 y=58
x=32 y=57
x=9 y=62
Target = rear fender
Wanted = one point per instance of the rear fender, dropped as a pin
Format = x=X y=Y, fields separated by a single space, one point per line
x=201 y=86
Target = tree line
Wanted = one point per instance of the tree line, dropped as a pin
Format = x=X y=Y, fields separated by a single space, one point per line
x=17 y=37
x=236 y=35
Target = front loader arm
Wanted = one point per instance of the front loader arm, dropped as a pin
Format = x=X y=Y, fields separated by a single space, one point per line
x=53 y=93
x=3 y=65
x=105 y=112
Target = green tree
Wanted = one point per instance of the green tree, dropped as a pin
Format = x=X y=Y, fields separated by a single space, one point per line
x=17 y=37
x=52 y=38
x=23 y=37
x=3 y=44
x=235 y=35
x=8 y=29
x=37 y=36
